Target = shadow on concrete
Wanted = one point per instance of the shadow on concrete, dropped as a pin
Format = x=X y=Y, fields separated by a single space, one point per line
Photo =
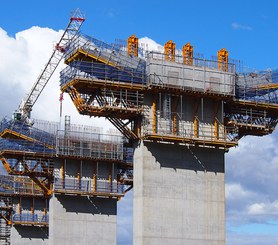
x=198 y=159
x=92 y=205
x=32 y=232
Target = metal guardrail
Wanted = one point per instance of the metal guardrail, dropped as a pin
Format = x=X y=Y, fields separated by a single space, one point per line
x=15 y=185
x=73 y=185
x=259 y=87
x=21 y=128
x=101 y=71
x=186 y=130
x=108 y=53
x=30 y=218
x=13 y=145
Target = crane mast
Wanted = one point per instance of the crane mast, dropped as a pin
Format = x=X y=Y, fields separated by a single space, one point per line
x=24 y=110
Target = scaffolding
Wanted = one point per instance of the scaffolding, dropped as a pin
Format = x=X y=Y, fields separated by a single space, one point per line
x=99 y=74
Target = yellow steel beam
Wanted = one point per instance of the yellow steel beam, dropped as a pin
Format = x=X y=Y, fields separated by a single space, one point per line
x=6 y=165
x=198 y=141
x=7 y=133
x=87 y=83
x=257 y=105
x=267 y=86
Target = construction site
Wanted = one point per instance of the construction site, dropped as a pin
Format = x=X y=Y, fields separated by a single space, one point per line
x=175 y=116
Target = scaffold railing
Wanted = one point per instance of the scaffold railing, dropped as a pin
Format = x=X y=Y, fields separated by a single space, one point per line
x=187 y=130
x=88 y=186
x=16 y=146
x=29 y=218
x=89 y=145
x=103 y=52
x=100 y=71
x=203 y=76
x=23 y=130
x=160 y=57
x=18 y=185
x=259 y=87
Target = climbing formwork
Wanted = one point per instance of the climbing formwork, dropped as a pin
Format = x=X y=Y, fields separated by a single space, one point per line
x=103 y=80
x=43 y=162
x=181 y=113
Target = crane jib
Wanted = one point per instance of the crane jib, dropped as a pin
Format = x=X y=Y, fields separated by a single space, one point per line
x=25 y=108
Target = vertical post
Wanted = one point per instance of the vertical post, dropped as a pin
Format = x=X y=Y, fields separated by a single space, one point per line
x=32 y=208
x=19 y=207
x=154 y=117
x=175 y=120
x=62 y=173
x=216 y=122
x=195 y=120
x=110 y=179
x=78 y=176
x=94 y=179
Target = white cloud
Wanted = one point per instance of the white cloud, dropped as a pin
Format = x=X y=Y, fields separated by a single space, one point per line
x=234 y=191
x=149 y=44
x=26 y=54
x=238 y=26
x=264 y=208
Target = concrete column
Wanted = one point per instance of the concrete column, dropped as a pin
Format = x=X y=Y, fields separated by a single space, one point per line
x=82 y=220
x=28 y=235
x=179 y=195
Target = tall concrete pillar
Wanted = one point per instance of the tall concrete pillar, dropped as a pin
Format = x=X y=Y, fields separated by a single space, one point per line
x=82 y=220
x=179 y=195
x=27 y=235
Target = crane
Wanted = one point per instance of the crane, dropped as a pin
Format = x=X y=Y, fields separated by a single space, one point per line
x=24 y=110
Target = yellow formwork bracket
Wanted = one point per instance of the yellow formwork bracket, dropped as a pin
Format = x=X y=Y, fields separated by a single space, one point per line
x=222 y=55
x=187 y=54
x=169 y=51
x=132 y=45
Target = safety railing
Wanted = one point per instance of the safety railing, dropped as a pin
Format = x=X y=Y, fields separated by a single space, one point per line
x=101 y=51
x=202 y=76
x=89 y=145
x=258 y=87
x=99 y=71
x=197 y=62
x=30 y=218
x=19 y=129
x=14 y=185
x=201 y=131
x=24 y=146
x=87 y=186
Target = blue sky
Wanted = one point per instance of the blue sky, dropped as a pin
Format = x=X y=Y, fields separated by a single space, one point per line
x=247 y=29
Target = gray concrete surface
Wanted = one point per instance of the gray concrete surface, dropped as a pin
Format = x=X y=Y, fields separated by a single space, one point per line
x=179 y=195
x=82 y=220
x=27 y=235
